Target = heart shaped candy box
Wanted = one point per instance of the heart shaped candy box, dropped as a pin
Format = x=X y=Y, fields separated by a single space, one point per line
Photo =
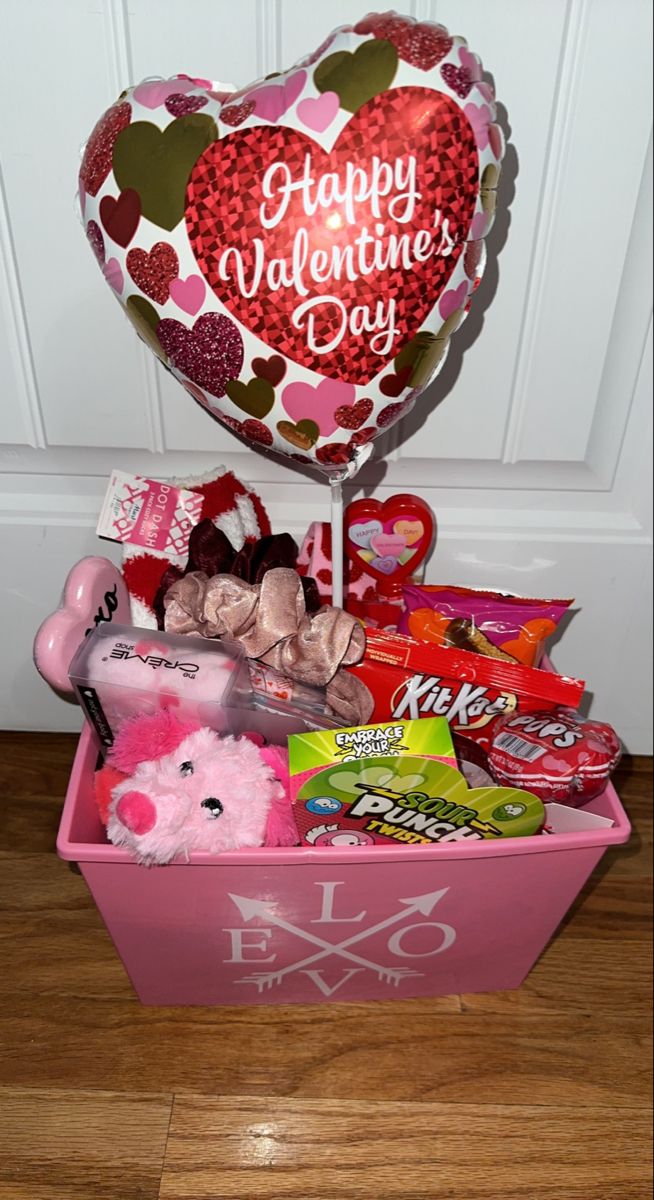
x=332 y=216
x=409 y=800
x=389 y=540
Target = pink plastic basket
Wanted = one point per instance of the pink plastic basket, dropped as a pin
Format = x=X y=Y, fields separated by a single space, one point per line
x=306 y=925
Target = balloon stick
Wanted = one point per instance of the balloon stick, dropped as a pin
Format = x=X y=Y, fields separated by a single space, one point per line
x=336 y=492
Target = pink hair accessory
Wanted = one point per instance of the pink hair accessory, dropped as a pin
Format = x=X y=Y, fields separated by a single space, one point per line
x=269 y=620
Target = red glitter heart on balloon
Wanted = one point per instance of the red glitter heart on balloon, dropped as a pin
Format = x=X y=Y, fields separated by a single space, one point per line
x=96 y=163
x=458 y=79
x=355 y=415
x=392 y=413
x=236 y=114
x=209 y=354
x=180 y=105
x=363 y=436
x=256 y=431
x=334 y=454
x=223 y=217
x=153 y=273
x=419 y=43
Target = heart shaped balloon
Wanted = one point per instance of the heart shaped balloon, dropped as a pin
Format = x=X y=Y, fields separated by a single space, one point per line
x=328 y=220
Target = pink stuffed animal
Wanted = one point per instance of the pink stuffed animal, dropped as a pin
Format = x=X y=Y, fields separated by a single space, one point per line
x=184 y=788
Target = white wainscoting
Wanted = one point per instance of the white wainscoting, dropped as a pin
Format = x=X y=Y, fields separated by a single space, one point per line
x=532 y=446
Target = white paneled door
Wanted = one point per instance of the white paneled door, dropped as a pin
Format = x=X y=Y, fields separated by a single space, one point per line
x=533 y=446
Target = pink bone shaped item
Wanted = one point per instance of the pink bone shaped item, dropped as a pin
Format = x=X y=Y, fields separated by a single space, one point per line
x=94 y=593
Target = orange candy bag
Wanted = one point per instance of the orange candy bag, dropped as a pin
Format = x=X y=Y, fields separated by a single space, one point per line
x=511 y=628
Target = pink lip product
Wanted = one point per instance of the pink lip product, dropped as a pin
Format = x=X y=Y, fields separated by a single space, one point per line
x=120 y=671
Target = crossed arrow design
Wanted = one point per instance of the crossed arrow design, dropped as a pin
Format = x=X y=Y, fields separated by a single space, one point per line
x=392 y=975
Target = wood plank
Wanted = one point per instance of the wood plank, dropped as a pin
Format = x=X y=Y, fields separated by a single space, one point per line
x=35 y=764
x=290 y=1150
x=404 y=1050
x=62 y=1145
x=52 y=938
x=587 y=976
x=611 y=906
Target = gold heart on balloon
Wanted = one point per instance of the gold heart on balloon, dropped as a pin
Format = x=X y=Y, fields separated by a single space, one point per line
x=301 y=251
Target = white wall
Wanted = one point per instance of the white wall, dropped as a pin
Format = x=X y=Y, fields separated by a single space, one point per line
x=533 y=444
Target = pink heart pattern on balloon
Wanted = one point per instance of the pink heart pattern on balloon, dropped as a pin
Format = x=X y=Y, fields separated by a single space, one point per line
x=321 y=404
x=188 y=294
x=113 y=274
x=155 y=92
x=224 y=231
x=319 y=114
x=272 y=101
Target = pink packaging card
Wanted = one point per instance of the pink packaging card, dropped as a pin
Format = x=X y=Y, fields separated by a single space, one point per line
x=157 y=516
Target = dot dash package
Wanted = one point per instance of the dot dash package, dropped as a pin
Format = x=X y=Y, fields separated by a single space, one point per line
x=393 y=783
x=120 y=671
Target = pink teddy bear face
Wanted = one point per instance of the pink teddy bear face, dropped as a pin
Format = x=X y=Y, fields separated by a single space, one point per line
x=209 y=793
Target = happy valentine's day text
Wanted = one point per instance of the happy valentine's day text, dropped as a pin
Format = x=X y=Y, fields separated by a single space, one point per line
x=367 y=254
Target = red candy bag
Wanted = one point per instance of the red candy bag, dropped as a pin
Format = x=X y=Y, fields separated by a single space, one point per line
x=409 y=679
x=556 y=755
x=513 y=628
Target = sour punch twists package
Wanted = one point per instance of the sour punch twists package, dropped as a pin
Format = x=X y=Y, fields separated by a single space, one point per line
x=376 y=785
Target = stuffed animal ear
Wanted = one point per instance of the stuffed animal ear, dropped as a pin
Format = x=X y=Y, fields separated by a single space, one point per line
x=104 y=781
x=281 y=829
x=276 y=757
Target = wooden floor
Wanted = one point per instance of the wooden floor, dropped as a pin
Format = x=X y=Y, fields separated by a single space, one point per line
x=540 y=1094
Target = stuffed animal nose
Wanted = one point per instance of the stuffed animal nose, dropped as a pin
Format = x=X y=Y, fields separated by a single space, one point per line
x=214 y=807
x=136 y=812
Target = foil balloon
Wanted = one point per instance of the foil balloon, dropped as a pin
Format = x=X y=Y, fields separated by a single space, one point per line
x=298 y=253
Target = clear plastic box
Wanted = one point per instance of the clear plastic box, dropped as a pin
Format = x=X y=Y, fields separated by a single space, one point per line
x=120 y=671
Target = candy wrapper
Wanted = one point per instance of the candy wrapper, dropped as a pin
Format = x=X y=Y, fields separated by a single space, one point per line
x=397 y=782
x=410 y=680
x=499 y=625
x=557 y=755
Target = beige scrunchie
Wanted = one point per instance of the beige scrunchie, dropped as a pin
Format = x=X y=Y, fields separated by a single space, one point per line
x=269 y=620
